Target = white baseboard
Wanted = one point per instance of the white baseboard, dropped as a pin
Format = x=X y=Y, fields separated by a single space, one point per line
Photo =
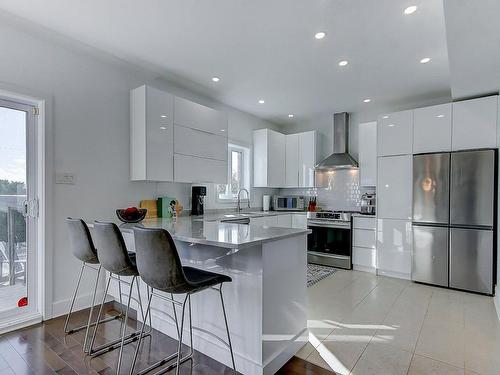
x=356 y=267
x=20 y=322
x=84 y=301
x=396 y=275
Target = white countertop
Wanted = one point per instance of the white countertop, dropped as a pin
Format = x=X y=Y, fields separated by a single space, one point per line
x=216 y=233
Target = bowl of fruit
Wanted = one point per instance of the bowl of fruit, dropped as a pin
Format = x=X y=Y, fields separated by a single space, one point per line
x=131 y=214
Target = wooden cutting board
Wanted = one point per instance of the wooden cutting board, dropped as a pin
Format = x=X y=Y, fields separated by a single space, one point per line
x=151 y=206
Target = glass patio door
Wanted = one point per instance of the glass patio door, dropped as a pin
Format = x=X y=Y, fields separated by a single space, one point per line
x=18 y=209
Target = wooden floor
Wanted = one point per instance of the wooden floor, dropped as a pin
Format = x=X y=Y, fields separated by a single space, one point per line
x=45 y=349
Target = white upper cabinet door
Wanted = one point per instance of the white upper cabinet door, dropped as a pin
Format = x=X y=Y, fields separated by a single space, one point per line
x=475 y=123
x=199 y=143
x=395 y=133
x=268 y=158
x=394 y=187
x=432 y=129
x=307 y=158
x=368 y=153
x=151 y=134
x=192 y=169
x=292 y=160
x=197 y=116
x=276 y=159
x=394 y=247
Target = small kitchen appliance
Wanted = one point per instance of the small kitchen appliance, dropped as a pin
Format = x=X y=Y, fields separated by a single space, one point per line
x=198 y=194
x=368 y=204
x=266 y=202
x=329 y=242
x=288 y=203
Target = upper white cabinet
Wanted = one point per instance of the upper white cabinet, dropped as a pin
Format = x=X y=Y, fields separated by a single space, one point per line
x=475 y=123
x=368 y=154
x=269 y=158
x=151 y=134
x=432 y=129
x=292 y=160
x=307 y=158
x=394 y=187
x=197 y=116
x=395 y=133
x=283 y=161
x=173 y=139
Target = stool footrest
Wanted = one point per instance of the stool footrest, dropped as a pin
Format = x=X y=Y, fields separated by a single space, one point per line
x=115 y=344
x=77 y=329
x=164 y=361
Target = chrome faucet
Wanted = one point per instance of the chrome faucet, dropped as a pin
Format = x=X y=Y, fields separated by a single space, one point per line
x=239 y=200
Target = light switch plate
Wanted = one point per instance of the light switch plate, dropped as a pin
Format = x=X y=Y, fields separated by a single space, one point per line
x=65 y=178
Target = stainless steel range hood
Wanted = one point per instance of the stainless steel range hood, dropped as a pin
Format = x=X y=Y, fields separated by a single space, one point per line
x=340 y=159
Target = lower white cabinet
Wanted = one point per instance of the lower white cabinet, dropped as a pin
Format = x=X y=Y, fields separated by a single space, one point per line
x=284 y=221
x=394 y=248
x=299 y=221
x=267 y=221
x=196 y=169
x=364 y=244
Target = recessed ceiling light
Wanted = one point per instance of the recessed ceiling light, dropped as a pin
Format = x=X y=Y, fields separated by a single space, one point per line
x=215 y=79
x=386 y=116
x=223 y=130
x=163 y=116
x=343 y=63
x=163 y=128
x=290 y=116
x=261 y=101
x=425 y=60
x=440 y=116
x=320 y=35
x=390 y=125
x=411 y=9
x=367 y=101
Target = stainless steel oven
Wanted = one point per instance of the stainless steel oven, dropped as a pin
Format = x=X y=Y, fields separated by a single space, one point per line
x=330 y=240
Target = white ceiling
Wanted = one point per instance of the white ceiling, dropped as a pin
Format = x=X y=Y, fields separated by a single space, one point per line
x=266 y=48
x=473 y=31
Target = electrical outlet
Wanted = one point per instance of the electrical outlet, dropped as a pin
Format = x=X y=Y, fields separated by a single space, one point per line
x=65 y=178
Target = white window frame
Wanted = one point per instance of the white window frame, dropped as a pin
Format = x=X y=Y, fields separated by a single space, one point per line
x=245 y=162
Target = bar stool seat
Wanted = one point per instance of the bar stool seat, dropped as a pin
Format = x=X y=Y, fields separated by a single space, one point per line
x=201 y=279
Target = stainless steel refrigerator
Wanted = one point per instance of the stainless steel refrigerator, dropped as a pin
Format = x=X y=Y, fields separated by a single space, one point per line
x=454 y=219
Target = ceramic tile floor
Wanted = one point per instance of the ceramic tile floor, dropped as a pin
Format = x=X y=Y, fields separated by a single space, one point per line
x=366 y=324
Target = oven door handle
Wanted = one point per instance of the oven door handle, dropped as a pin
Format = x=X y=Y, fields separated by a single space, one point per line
x=327 y=225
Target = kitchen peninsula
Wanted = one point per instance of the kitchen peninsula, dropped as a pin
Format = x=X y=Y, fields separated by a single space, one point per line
x=266 y=302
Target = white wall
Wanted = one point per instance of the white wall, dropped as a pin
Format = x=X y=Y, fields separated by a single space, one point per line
x=90 y=96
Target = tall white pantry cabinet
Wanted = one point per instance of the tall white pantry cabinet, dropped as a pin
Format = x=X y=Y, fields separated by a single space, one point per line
x=468 y=124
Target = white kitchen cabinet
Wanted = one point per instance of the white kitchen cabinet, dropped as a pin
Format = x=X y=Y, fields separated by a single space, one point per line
x=199 y=143
x=269 y=158
x=364 y=238
x=299 y=221
x=307 y=158
x=394 y=248
x=364 y=222
x=197 y=116
x=364 y=242
x=284 y=221
x=475 y=123
x=267 y=221
x=368 y=154
x=151 y=134
x=292 y=160
x=394 y=187
x=199 y=170
x=395 y=133
x=432 y=129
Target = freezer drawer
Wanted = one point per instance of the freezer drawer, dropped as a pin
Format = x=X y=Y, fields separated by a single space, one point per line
x=471 y=260
x=431 y=188
x=472 y=188
x=430 y=255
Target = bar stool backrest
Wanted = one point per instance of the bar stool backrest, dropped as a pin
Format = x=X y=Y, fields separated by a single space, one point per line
x=80 y=241
x=158 y=261
x=112 y=250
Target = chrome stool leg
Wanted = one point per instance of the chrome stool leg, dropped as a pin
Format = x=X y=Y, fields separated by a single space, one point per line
x=120 y=355
x=227 y=328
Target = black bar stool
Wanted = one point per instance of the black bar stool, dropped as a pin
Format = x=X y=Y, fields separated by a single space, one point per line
x=160 y=267
x=115 y=259
x=84 y=250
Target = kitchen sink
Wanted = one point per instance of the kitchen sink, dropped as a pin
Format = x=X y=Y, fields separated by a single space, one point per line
x=239 y=220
